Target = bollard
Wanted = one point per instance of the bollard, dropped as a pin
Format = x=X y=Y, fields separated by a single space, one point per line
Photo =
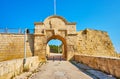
x=60 y=58
x=53 y=58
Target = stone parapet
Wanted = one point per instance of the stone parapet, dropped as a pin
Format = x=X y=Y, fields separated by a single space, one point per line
x=12 y=46
x=109 y=65
x=11 y=68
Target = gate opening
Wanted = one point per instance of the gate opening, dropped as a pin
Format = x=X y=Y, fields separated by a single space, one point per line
x=55 y=49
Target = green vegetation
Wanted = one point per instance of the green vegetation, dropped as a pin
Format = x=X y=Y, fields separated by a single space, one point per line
x=55 y=48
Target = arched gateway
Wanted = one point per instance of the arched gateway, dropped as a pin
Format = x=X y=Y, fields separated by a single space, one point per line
x=54 y=27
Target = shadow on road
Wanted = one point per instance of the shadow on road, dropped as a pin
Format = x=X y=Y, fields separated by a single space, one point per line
x=93 y=73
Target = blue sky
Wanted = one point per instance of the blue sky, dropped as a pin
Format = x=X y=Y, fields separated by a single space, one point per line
x=95 y=14
x=55 y=42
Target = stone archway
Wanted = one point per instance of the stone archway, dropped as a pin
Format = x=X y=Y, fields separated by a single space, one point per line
x=64 y=53
x=54 y=27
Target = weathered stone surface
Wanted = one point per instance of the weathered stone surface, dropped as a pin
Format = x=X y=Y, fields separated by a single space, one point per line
x=110 y=65
x=55 y=27
x=95 y=43
x=12 y=46
x=9 y=69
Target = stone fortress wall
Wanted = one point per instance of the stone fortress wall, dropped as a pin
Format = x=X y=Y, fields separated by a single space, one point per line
x=12 y=46
x=86 y=42
x=54 y=27
x=89 y=42
x=95 y=43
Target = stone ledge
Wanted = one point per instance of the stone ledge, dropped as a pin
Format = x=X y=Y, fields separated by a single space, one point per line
x=9 y=69
x=105 y=64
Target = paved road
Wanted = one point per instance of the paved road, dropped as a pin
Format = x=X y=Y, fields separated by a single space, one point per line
x=59 y=70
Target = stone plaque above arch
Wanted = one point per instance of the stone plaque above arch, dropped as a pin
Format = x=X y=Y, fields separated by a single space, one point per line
x=55 y=23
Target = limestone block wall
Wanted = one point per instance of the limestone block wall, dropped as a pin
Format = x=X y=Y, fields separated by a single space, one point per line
x=47 y=50
x=94 y=42
x=40 y=47
x=11 y=68
x=71 y=45
x=12 y=46
x=105 y=64
x=71 y=28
